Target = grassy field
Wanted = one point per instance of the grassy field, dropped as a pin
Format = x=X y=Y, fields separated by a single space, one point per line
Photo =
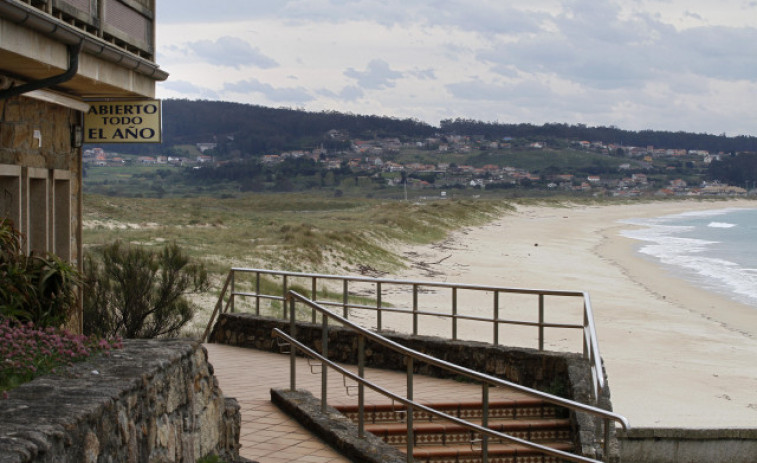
x=294 y=232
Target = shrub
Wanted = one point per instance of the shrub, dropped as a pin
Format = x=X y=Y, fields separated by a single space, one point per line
x=134 y=292
x=38 y=288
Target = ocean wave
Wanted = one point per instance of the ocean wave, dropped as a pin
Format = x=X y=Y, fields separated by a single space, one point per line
x=721 y=225
x=692 y=257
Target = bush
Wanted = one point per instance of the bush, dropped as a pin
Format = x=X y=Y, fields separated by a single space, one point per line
x=36 y=288
x=134 y=292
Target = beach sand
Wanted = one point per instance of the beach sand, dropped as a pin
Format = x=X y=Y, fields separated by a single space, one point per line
x=675 y=355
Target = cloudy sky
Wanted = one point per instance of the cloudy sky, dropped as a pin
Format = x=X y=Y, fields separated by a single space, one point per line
x=686 y=65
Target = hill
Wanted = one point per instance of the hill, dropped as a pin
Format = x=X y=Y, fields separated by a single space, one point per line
x=243 y=130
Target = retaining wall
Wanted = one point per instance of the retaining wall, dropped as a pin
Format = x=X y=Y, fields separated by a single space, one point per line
x=666 y=445
x=152 y=401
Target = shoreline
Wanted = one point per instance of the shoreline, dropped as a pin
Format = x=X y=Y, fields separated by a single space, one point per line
x=674 y=356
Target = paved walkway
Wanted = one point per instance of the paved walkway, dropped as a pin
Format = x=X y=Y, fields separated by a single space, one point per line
x=270 y=436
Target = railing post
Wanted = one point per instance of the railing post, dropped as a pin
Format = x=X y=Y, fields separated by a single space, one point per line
x=415 y=309
x=587 y=348
x=485 y=422
x=324 y=369
x=496 y=317
x=314 y=291
x=257 y=293
x=285 y=295
x=231 y=303
x=292 y=350
x=345 y=298
x=378 y=306
x=409 y=411
x=454 y=313
x=361 y=387
x=541 y=321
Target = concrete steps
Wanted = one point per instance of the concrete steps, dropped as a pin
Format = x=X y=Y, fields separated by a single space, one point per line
x=441 y=441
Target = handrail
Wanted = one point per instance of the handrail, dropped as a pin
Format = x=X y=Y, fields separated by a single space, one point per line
x=590 y=344
x=416 y=405
x=481 y=377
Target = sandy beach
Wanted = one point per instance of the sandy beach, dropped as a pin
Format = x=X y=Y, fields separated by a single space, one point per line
x=676 y=355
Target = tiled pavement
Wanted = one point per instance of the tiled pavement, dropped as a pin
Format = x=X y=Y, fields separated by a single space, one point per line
x=270 y=436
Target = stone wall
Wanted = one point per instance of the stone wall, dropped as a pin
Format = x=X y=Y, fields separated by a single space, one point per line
x=563 y=374
x=663 y=445
x=152 y=401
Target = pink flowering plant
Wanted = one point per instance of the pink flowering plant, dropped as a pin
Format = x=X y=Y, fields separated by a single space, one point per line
x=27 y=351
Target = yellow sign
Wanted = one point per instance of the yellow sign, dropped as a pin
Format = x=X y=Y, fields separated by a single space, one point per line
x=123 y=122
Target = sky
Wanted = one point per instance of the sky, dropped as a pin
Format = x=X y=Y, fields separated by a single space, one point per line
x=679 y=65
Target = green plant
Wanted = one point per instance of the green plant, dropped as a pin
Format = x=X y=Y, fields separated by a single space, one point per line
x=29 y=351
x=135 y=292
x=38 y=288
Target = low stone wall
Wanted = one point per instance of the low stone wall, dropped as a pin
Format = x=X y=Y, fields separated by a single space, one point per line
x=563 y=374
x=664 y=445
x=155 y=401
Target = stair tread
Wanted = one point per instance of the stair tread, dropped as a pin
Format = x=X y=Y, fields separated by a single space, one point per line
x=444 y=426
x=437 y=451
x=507 y=403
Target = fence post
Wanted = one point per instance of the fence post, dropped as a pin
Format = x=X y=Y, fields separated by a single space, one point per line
x=485 y=422
x=409 y=411
x=496 y=317
x=541 y=321
x=285 y=295
x=361 y=387
x=324 y=369
x=257 y=293
x=345 y=298
x=415 y=309
x=231 y=305
x=292 y=350
x=454 y=313
x=314 y=292
x=378 y=306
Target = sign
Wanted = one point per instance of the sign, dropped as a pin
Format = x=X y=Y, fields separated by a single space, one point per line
x=123 y=122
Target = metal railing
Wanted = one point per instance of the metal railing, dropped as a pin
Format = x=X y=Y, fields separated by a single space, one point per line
x=411 y=355
x=376 y=292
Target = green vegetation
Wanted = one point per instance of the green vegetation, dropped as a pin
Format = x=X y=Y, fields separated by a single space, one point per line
x=40 y=289
x=285 y=231
x=135 y=292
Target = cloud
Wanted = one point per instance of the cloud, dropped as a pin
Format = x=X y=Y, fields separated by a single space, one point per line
x=231 y=52
x=377 y=76
x=297 y=95
x=349 y=93
x=188 y=89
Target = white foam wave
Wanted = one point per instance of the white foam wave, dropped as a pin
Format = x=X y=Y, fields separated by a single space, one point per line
x=721 y=225
x=686 y=254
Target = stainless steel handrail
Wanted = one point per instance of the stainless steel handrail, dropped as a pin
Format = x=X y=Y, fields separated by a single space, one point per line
x=590 y=344
x=483 y=378
x=416 y=405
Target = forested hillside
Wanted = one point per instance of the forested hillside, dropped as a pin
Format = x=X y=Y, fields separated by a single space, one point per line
x=249 y=130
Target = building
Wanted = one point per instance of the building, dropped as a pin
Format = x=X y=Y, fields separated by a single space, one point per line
x=56 y=58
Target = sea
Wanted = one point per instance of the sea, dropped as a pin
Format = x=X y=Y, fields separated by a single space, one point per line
x=714 y=249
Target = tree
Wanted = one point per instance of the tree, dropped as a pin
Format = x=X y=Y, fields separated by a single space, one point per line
x=134 y=292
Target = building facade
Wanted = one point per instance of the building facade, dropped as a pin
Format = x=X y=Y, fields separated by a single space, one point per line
x=56 y=58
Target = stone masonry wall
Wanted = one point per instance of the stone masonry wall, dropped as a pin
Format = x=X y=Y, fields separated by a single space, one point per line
x=152 y=401
x=562 y=374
